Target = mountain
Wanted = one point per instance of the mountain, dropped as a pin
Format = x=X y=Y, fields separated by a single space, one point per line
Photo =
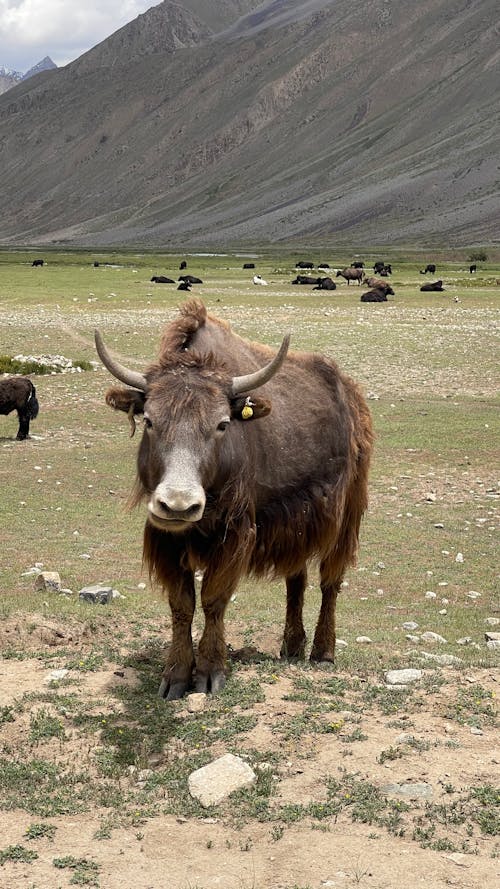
x=45 y=65
x=313 y=122
x=8 y=78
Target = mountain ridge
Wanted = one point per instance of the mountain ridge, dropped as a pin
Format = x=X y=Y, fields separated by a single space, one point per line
x=368 y=126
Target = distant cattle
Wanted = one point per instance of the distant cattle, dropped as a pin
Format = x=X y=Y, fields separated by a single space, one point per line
x=162 y=279
x=96 y=265
x=304 y=265
x=430 y=267
x=184 y=285
x=382 y=268
x=357 y=265
x=378 y=284
x=248 y=265
x=472 y=268
x=430 y=288
x=37 y=262
x=376 y=295
x=190 y=279
x=183 y=265
x=351 y=274
x=325 y=284
x=324 y=265
x=305 y=279
x=19 y=394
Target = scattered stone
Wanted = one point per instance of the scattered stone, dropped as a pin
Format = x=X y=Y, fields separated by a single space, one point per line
x=439 y=525
x=459 y=557
x=196 y=702
x=143 y=775
x=428 y=636
x=56 y=675
x=410 y=791
x=403 y=677
x=405 y=738
x=459 y=858
x=465 y=640
x=492 y=637
x=431 y=497
x=444 y=660
x=410 y=625
x=412 y=638
x=473 y=595
x=340 y=643
x=48 y=580
x=215 y=781
x=96 y=594
x=430 y=595
x=493 y=644
x=476 y=731
x=492 y=621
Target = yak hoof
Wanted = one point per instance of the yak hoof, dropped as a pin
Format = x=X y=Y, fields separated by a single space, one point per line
x=323 y=656
x=213 y=682
x=172 y=691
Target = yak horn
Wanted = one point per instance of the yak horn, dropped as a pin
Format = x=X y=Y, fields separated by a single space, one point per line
x=130 y=377
x=259 y=377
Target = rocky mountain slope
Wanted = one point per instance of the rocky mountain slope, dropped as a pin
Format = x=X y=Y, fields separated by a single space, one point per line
x=311 y=121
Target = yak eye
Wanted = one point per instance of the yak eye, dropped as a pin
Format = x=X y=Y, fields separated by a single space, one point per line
x=148 y=423
x=223 y=425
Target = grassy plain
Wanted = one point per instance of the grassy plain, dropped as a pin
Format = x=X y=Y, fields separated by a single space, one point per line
x=428 y=363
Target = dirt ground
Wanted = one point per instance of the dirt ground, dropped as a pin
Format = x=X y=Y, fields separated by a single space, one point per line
x=227 y=849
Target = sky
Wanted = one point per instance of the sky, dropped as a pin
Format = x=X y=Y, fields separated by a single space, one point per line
x=61 y=29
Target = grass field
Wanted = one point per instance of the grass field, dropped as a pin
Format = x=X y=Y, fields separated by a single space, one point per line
x=428 y=363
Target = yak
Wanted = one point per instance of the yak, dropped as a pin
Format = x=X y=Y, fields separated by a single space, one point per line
x=162 y=279
x=351 y=274
x=378 y=284
x=436 y=286
x=248 y=265
x=325 y=284
x=37 y=263
x=19 y=394
x=304 y=265
x=306 y=279
x=472 y=268
x=430 y=267
x=190 y=279
x=376 y=295
x=251 y=462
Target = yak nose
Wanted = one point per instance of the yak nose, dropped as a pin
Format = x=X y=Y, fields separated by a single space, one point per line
x=177 y=504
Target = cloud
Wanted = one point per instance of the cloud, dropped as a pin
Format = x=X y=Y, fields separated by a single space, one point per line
x=61 y=29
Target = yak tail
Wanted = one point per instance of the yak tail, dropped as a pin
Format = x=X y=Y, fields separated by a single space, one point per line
x=32 y=406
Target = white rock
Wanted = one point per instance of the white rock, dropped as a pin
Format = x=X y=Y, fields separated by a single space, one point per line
x=196 y=702
x=428 y=636
x=48 y=580
x=459 y=557
x=364 y=640
x=410 y=625
x=444 y=660
x=215 y=781
x=430 y=595
x=402 y=677
x=56 y=675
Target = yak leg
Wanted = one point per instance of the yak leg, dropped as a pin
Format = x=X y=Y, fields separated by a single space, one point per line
x=177 y=675
x=294 y=636
x=323 y=647
x=24 y=427
x=216 y=590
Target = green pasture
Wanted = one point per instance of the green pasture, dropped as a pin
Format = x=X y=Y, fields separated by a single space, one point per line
x=428 y=363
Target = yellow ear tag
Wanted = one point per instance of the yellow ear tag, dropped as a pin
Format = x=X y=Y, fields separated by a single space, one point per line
x=247 y=412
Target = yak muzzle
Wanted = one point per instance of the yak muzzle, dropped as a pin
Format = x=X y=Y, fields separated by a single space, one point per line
x=173 y=509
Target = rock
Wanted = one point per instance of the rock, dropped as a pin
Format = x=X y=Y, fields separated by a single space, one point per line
x=430 y=595
x=56 y=675
x=340 y=643
x=410 y=625
x=48 y=580
x=196 y=702
x=215 y=781
x=433 y=637
x=492 y=621
x=403 y=677
x=492 y=637
x=97 y=594
x=472 y=594
x=412 y=638
x=493 y=644
x=444 y=660
x=363 y=640
x=410 y=791
x=465 y=640
x=459 y=557
x=475 y=730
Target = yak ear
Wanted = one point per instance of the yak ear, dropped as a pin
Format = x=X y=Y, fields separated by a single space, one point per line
x=249 y=407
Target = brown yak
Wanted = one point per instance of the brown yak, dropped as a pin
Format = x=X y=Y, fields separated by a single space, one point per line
x=19 y=394
x=232 y=491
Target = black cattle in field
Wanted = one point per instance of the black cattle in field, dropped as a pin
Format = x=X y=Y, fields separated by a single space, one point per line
x=19 y=394
x=184 y=285
x=190 y=279
x=430 y=267
x=324 y=265
x=183 y=265
x=472 y=268
x=306 y=279
x=436 y=286
x=378 y=284
x=304 y=265
x=382 y=268
x=96 y=265
x=325 y=284
x=162 y=279
x=251 y=462
x=37 y=262
x=351 y=274
x=248 y=265
x=376 y=295
x=357 y=265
